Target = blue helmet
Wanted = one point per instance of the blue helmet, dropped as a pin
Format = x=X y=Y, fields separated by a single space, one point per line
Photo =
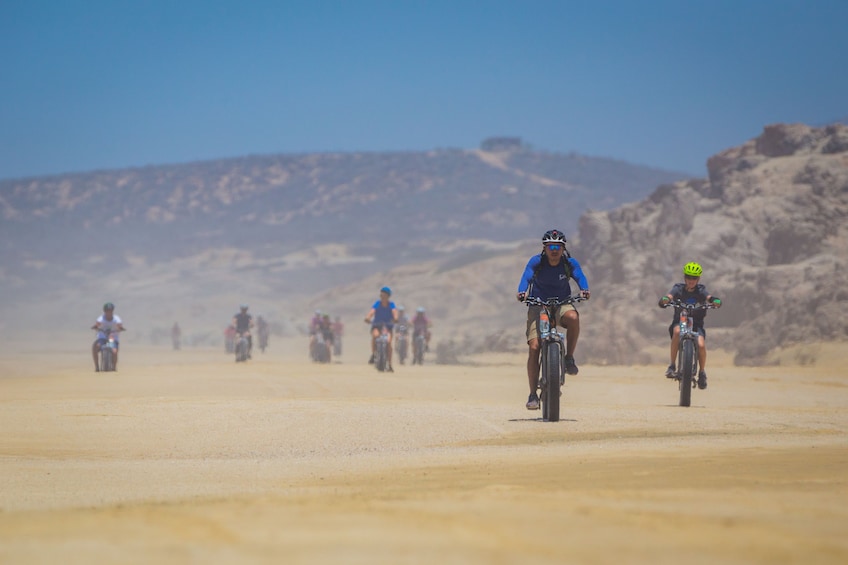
x=387 y=290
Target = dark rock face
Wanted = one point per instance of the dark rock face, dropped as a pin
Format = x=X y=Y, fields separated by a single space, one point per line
x=770 y=228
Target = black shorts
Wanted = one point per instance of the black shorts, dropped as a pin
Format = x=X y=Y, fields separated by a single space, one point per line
x=699 y=329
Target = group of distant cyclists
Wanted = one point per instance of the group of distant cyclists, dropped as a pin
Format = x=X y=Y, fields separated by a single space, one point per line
x=242 y=325
x=385 y=316
x=325 y=337
x=546 y=276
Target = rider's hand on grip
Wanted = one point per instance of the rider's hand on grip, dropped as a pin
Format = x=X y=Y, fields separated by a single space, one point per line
x=716 y=301
x=664 y=302
x=585 y=294
x=521 y=296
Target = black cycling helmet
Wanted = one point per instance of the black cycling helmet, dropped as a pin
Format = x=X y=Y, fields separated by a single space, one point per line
x=553 y=236
x=108 y=306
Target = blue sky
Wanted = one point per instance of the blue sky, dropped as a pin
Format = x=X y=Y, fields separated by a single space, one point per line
x=92 y=84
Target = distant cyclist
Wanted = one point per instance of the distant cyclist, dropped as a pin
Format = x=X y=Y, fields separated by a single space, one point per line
x=421 y=325
x=402 y=328
x=382 y=314
x=692 y=292
x=229 y=339
x=546 y=276
x=176 y=336
x=314 y=326
x=105 y=324
x=325 y=328
x=338 y=332
x=264 y=332
x=243 y=322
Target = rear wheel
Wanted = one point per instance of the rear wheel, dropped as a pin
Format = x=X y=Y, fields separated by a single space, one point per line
x=687 y=371
x=551 y=372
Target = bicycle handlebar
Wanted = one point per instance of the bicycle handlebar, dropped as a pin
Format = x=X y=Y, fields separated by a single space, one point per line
x=689 y=307
x=553 y=302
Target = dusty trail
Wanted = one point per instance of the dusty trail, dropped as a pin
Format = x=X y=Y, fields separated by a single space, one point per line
x=185 y=456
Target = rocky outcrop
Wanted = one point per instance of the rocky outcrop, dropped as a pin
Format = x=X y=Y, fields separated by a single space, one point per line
x=768 y=225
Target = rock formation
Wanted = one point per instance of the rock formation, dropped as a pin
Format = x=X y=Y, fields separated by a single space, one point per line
x=769 y=227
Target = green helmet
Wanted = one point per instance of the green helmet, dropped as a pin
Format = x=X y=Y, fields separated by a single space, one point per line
x=692 y=270
x=108 y=306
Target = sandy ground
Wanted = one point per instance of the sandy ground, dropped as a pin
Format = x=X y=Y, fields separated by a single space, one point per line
x=187 y=457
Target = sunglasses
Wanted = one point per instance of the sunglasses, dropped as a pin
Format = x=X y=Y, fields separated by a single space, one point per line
x=690 y=278
x=554 y=246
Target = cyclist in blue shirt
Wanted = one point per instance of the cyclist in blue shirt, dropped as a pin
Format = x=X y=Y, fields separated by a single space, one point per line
x=383 y=313
x=546 y=276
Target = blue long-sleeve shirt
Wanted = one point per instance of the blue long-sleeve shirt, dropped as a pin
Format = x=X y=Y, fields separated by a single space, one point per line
x=551 y=281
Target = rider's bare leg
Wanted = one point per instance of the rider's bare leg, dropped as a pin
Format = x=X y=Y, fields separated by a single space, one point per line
x=374 y=333
x=675 y=343
x=533 y=364
x=702 y=352
x=571 y=322
x=115 y=359
x=95 y=349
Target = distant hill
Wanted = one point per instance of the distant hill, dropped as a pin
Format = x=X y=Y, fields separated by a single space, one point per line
x=287 y=225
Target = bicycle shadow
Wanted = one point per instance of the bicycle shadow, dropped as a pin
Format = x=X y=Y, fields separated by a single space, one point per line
x=540 y=419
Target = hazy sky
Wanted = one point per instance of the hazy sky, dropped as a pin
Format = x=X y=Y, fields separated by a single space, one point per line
x=91 y=84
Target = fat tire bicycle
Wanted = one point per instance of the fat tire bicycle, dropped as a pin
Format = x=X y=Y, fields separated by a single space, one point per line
x=551 y=353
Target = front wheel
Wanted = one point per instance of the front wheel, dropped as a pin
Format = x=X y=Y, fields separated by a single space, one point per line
x=106 y=359
x=381 y=361
x=551 y=374
x=687 y=371
x=402 y=349
x=241 y=350
x=418 y=350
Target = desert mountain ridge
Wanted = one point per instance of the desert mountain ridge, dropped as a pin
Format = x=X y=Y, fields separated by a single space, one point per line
x=176 y=239
x=767 y=224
